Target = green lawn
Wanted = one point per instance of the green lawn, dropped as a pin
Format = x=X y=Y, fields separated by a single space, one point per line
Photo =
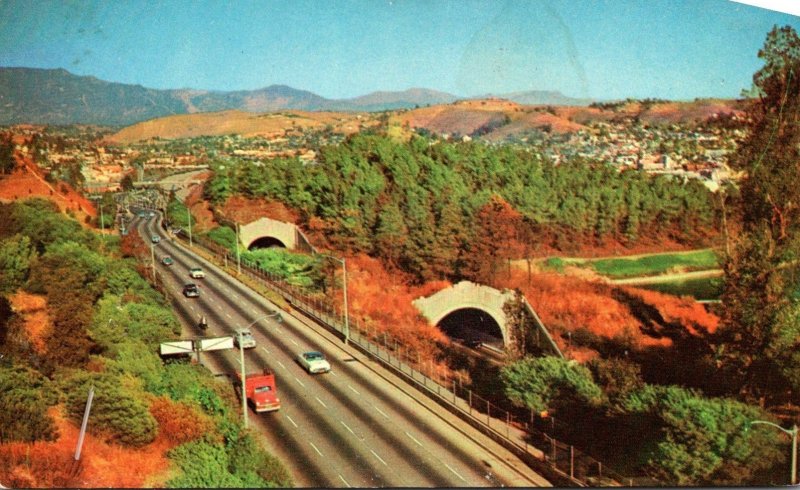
x=655 y=264
x=706 y=288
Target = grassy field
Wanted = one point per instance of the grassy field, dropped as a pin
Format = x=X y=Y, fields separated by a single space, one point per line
x=655 y=264
x=706 y=288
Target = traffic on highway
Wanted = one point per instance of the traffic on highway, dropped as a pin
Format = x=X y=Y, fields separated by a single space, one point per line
x=339 y=424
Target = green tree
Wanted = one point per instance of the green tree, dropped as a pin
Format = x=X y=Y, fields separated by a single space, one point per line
x=23 y=406
x=759 y=341
x=7 y=160
x=703 y=441
x=549 y=383
x=16 y=255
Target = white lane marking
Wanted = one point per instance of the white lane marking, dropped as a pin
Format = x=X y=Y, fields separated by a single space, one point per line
x=380 y=411
x=333 y=373
x=345 y=481
x=210 y=299
x=347 y=427
x=454 y=472
x=254 y=312
x=295 y=343
x=229 y=315
x=321 y=402
x=354 y=390
x=413 y=439
x=284 y=367
x=265 y=349
x=379 y=458
x=315 y=448
x=301 y=383
x=292 y=421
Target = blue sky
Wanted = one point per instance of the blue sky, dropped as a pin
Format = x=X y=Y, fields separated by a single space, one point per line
x=606 y=49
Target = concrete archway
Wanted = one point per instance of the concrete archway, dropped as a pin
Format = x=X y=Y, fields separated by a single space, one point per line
x=266 y=242
x=472 y=326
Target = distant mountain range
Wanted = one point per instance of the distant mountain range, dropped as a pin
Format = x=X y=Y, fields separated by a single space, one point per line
x=56 y=96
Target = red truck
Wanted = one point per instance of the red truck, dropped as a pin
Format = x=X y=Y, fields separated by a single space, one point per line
x=262 y=394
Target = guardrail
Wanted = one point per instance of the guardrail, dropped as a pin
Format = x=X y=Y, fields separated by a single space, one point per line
x=509 y=428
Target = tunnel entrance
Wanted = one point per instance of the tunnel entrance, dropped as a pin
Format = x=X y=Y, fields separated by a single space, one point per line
x=266 y=242
x=472 y=326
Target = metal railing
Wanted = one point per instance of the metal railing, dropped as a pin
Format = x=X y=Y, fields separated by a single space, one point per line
x=510 y=427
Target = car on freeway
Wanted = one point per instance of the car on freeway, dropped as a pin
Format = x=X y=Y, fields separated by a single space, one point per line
x=244 y=337
x=190 y=290
x=197 y=273
x=155 y=238
x=167 y=260
x=314 y=362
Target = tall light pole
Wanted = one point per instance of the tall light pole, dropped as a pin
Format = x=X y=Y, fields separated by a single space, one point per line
x=344 y=289
x=238 y=260
x=189 y=217
x=241 y=360
x=793 y=433
x=153 y=260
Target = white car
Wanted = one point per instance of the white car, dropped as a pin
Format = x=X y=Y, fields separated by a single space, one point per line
x=197 y=273
x=314 y=362
x=246 y=336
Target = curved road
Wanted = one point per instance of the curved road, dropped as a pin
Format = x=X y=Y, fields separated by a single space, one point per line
x=349 y=427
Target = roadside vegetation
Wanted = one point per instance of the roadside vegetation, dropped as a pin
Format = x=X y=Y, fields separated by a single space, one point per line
x=652 y=265
x=100 y=326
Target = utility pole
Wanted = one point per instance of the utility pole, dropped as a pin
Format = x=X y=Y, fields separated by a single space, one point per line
x=238 y=259
x=244 y=377
x=84 y=423
x=189 y=217
x=153 y=260
x=344 y=290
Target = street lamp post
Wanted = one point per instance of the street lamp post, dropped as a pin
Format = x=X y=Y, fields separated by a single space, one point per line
x=189 y=217
x=344 y=289
x=793 y=433
x=241 y=361
x=238 y=260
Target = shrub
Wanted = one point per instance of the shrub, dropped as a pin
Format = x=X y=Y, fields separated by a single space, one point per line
x=118 y=411
x=26 y=394
x=544 y=383
x=202 y=464
x=703 y=441
x=180 y=422
x=251 y=464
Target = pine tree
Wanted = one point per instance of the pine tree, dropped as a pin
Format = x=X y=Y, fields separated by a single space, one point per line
x=760 y=341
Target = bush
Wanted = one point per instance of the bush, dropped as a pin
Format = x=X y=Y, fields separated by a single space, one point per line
x=545 y=383
x=118 y=412
x=179 y=421
x=251 y=464
x=202 y=465
x=26 y=394
x=704 y=441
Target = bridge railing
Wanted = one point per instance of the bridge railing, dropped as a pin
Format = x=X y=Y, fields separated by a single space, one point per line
x=518 y=430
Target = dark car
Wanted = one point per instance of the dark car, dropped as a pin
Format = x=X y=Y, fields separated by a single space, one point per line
x=190 y=290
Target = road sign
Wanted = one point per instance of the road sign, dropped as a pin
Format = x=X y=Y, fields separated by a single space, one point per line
x=214 y=343
x=177 y=347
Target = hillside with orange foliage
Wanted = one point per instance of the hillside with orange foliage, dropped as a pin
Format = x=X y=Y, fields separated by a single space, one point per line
x=636 y=318
x=50 y=464
x=32 y=308
x=28 y=180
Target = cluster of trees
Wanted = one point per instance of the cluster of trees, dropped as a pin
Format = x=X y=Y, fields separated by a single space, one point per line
x=106 y=324
x=761 y=295
x=418 y=206
x=680 y=436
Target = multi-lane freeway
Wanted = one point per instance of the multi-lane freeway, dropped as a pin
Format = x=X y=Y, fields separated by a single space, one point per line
x=349 y=427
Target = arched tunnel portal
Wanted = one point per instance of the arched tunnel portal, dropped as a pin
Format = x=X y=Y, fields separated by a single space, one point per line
x=266 y=242
x=472 y=326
